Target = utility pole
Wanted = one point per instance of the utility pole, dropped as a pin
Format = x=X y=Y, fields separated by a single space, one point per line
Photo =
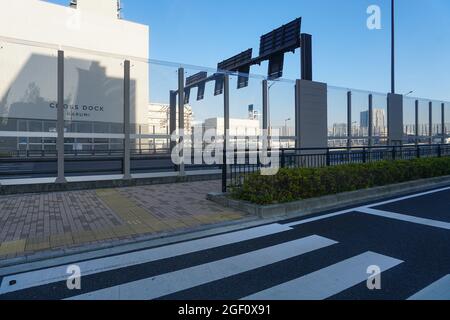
x=393 y=47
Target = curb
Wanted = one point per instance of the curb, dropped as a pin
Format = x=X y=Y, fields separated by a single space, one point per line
x=108 y=248
x=7 y=190
x=315 y=205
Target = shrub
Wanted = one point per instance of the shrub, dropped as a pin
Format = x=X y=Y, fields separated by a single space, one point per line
x=304 y=183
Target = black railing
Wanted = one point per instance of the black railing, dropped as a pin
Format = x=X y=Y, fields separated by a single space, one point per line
x=235 y=172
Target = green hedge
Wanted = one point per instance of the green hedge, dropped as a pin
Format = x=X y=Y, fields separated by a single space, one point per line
x=297 y=184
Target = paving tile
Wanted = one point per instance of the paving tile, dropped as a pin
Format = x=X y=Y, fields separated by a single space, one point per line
x=12 y=247
x=62 y=219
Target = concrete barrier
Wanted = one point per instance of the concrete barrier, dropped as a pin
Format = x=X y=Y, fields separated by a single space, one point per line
x=104 y=184
x=331 y=202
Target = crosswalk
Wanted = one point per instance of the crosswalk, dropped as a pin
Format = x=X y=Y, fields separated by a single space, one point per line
x=329 y=281
x=313 y=264
x=320 y=284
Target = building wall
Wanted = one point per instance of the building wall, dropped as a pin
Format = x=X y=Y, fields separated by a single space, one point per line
x=93 y=83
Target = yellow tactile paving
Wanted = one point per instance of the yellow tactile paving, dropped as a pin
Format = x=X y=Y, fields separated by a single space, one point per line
x=37 y=244
x=84 y=237
x=133 y=211
x=12 y=247
x=61 y=240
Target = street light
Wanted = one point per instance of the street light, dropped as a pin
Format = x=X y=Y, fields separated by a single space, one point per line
x=268 y=107
x=393 y=46
x=286 y=127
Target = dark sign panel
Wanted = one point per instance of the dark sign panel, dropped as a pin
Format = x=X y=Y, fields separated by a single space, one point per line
x=196 y=80
x=276 y=63
x=239 y=63
x=281 y=40
x=275 y=44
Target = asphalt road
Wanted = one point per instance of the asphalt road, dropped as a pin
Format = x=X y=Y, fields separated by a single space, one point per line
x=331 y=255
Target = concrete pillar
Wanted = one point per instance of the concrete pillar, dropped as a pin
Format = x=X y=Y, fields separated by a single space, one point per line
x=395 y=119
x=126 y=122
x=60 y=120
x=311 y=114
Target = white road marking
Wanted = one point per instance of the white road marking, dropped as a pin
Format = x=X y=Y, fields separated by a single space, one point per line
x=329 y=281
x=355 y=209
x=56 y=274
x=402 y=217
x=162 y=285
x=440 y=290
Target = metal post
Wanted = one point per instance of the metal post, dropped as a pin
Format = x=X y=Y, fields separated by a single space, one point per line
x=306 y=57
x=370 y=124
x=181 y=118
x=430 y=123
x=172 y=118
x=265 y=119
x=417 y=121
x=265 y=105
x=349 y=119
x=60 y=119
x=226 y=126
x=443 y=132
x=126 y=121
x=297 y=114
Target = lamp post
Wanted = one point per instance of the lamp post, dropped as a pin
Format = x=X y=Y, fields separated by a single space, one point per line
x=269 y=129
x=393 y=46
x=286 y=133
x=286 y=127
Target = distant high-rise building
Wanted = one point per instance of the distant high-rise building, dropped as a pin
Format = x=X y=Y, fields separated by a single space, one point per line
x=378 y=121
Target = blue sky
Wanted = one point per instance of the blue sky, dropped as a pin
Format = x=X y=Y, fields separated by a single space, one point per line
x=346 y=53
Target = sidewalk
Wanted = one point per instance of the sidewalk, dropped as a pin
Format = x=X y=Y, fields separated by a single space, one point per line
x=52 y=221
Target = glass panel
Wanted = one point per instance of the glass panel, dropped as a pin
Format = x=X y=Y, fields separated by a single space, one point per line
x=379 y=119
x=447 y=120
x=409 y=120
x=424 y=121
x=246 y=111
x=282 y=111
x=151 y=108
x=204 y=114
x=337 y=117
x=437 y=121
x=360 y=118
x=93 y=113
x=28 y=94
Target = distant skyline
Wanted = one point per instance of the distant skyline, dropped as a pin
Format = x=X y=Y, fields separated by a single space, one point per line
x=346 y=53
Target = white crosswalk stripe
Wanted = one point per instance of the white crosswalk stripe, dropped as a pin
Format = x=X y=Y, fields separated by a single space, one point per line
x=166 y=284
x=439 y=290
x=329 y=281
x=402 y=217
x=51 y=275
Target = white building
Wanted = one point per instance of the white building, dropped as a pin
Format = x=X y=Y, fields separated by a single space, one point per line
x=159 y=124
x=95 y=41
x=238 y=127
